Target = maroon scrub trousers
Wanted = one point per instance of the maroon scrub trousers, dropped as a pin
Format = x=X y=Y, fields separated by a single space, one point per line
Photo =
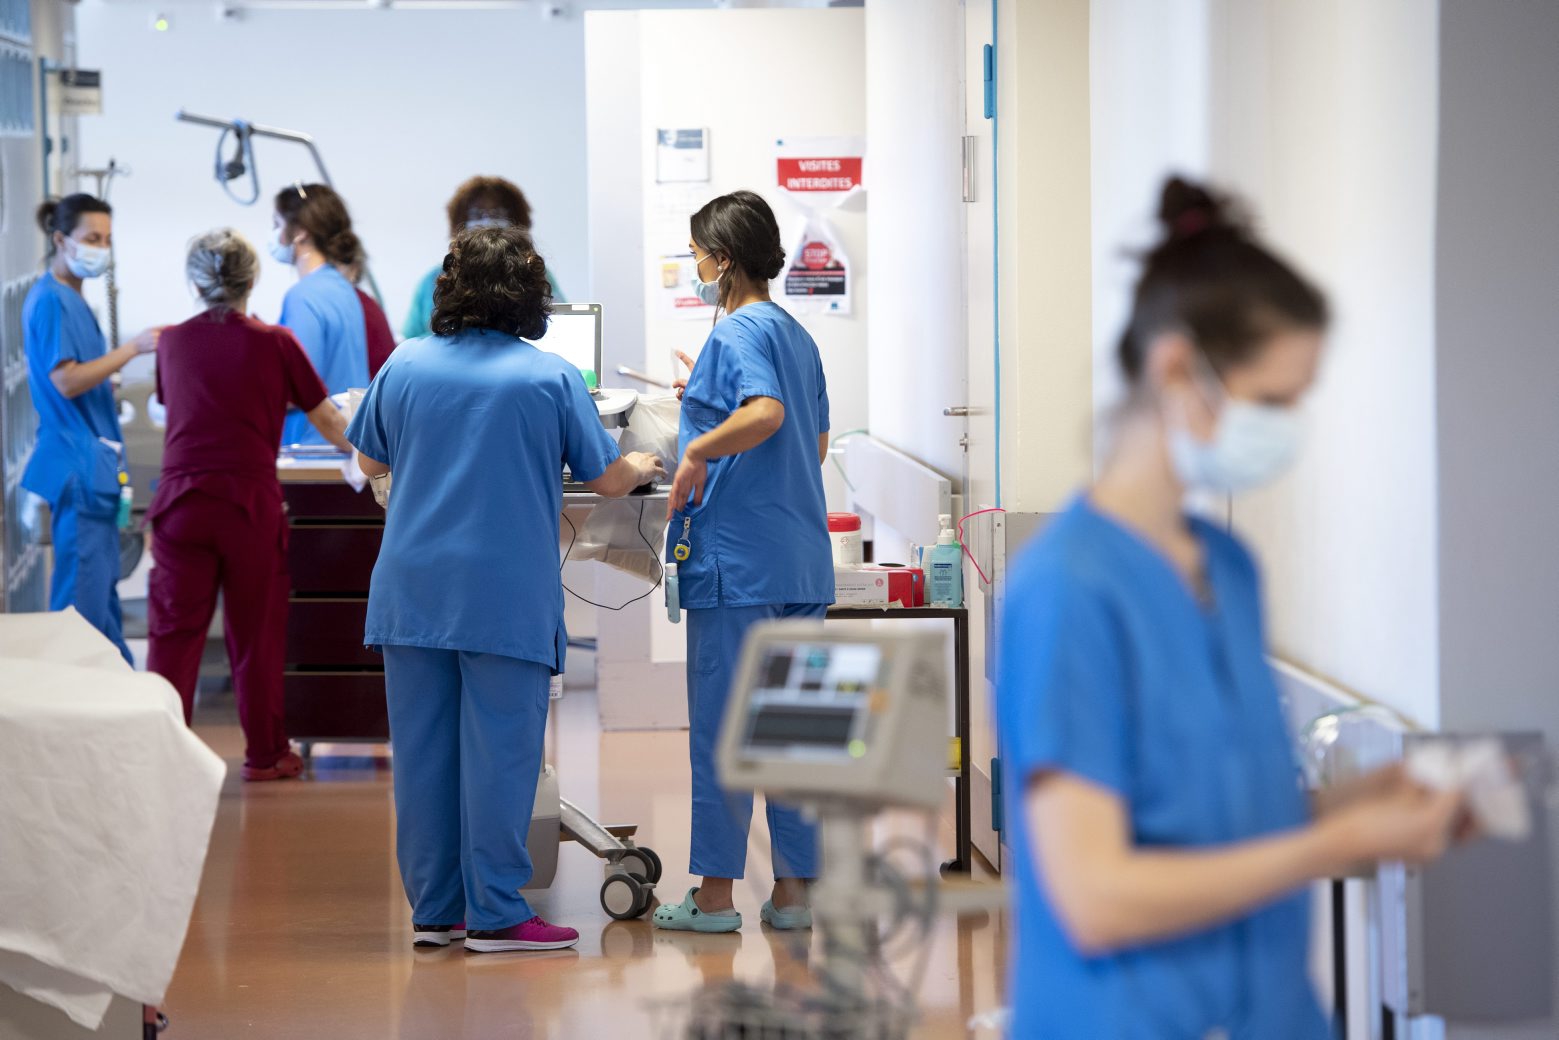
x=227 y=382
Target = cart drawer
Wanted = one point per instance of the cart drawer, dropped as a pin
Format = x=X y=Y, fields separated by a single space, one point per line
x=322 y=633
x=330 y=502
x=336 y=706
x=335 y=558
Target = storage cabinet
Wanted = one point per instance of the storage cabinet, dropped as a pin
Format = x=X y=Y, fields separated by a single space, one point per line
x=334 y=685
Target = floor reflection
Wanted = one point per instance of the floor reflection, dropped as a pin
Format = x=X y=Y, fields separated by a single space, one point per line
x=302 y=931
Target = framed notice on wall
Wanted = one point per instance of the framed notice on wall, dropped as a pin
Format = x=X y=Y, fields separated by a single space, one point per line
x=682 y=156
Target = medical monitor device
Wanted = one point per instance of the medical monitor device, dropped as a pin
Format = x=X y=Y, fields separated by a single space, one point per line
x=820 y=714
x=574 y=334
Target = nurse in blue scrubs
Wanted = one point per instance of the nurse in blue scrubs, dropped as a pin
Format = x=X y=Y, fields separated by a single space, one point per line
x=1161 y=841
x=466 y=600
x=313 y=234
x=748 y=514
x=79 y=460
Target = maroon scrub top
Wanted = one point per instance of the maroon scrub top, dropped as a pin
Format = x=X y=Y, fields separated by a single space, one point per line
x=227 y=381
x=381 y=338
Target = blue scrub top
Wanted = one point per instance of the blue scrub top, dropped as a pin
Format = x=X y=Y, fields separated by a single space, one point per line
x=323 y=310
x=59 y=327
x=476 y=428
x=1111 y=670
x=760 y=535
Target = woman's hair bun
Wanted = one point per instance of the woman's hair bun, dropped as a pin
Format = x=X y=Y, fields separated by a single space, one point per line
x=1186 y=208
x=46 y=216
x=775 y=266
x=222 y=266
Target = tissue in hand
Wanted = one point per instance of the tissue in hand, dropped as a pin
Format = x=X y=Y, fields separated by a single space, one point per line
x=1481 y=770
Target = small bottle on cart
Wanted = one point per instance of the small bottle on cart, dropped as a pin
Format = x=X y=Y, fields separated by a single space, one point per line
x=673 y=595
x=945 y=579
x=126 y=500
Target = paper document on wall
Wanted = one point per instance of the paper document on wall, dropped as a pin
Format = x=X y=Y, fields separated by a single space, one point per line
x=675 y=289
x=681 y=156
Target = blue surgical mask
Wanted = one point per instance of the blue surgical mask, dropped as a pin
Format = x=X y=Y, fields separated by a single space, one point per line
x=282 y=250
x=87 y=261
x=481 y=222
x=1252 y=445
x=708 y=292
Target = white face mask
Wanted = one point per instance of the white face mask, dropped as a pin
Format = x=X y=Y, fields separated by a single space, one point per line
x=87 y=261
x=1252 y=444
x=708 y=292
x=282 y=250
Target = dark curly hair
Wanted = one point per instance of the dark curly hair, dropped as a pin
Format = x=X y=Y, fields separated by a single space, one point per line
x=317 y=209
x=490 y=197
x=740 y=227
x=493 y=279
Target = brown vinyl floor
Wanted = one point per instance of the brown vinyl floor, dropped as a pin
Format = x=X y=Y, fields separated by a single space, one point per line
x=302 y=930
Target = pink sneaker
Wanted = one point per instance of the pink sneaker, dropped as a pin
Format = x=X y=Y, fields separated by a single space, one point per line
x=286 y=767
x=437 y=934
x=534 y=934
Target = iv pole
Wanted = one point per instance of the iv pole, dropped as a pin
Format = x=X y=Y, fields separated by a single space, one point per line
x=105 y=184
x=245 y=130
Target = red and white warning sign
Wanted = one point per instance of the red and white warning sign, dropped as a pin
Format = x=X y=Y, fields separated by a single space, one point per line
x=820 y=171
x=817 y=275
x=819 y=174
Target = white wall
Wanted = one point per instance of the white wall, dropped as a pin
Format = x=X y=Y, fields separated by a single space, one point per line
x=1140 y=132
x=653 y=69
x=914 y=111
x=1323 y=117
x=403 y=104
x=649 y=70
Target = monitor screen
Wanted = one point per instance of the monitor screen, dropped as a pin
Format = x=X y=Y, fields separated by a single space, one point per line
x=572 y=335
x=813 y=700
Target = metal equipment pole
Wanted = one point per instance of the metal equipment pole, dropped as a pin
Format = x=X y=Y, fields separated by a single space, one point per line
x=296 y=137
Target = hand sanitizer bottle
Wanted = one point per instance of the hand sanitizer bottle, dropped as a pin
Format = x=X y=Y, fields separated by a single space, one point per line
x=673 y=595
x=946 y=578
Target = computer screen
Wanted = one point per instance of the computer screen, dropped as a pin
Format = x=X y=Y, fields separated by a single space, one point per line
x=574 y=333
x=813 y=700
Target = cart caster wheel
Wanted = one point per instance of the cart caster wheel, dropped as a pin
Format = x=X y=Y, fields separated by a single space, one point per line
x=642 y=863
x=623 y=898
x=654 y=863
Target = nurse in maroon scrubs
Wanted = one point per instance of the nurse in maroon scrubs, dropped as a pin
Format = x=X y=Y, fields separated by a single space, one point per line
x=227 y=381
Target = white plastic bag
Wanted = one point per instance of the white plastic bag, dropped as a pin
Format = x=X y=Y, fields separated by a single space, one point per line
x=653 y=428
x=627 y=533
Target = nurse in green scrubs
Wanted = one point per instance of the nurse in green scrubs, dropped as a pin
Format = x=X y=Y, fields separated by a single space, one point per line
x=479 y=202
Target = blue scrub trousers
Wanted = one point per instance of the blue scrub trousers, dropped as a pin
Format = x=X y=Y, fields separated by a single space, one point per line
x=468 y=731
x=720 y=817
x=86 y=568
